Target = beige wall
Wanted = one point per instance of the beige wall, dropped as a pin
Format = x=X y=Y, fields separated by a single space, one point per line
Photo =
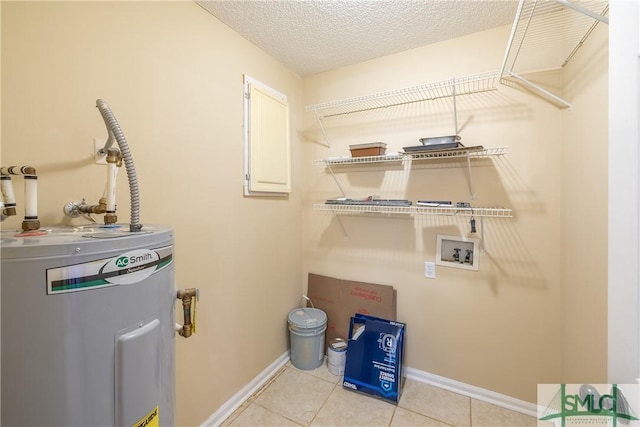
x=584 y=224
x=172 y=74
x=510 y=325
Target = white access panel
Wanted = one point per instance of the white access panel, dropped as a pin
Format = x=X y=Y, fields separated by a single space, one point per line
x=267 y=140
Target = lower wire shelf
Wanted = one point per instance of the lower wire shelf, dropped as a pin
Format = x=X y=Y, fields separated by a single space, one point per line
x=491 y=212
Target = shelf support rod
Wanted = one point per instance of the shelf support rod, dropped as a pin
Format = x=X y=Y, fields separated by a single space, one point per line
x=482 y=250
x=540 y=89
x=324 y=134
x=345 y=235
x=455 y=111
x=335 y=179
x=473 y=195
x=511 y=38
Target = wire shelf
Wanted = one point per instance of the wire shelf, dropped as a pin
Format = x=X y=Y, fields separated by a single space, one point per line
x=471 y=152
x=361 y=160
x=427 y=92
x=495 y=212
x=491 y=212
x=427 y=155
x=364 y=209
x=546 y=35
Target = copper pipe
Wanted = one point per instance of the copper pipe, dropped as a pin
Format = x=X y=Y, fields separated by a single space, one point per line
x=186 y=295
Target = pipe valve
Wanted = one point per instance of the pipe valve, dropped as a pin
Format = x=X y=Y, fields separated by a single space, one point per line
x=189 y=298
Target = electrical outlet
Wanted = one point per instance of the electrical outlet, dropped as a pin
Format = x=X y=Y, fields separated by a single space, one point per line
x=430 y=270
x=98 y=144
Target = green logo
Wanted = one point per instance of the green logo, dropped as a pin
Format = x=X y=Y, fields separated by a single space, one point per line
x=585 y=405
x=121 y=262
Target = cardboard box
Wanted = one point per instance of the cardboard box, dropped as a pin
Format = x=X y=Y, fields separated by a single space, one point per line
x=341 y=299
x=375 y=356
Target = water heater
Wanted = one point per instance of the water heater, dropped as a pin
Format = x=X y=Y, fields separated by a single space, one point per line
x=88 y=328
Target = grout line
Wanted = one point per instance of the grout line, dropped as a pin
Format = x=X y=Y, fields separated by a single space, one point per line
x=251 y=400
x=267 y=383
x=325 y=402
x=237 y=400
x=313 y=376
x=279 y=414
x=393 y=414
x=430 y=417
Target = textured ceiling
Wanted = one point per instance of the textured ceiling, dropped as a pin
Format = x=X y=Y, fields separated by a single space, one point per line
x=313 y=36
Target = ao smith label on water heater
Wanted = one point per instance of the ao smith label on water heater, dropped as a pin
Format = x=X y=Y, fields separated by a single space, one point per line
x=125 y=269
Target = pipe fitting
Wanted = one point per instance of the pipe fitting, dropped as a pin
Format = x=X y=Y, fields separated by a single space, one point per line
x=189 y=298
x=30 y=224
x=185 y=331
x=100 y=208
x=9 y=211
x=114 y=156
x=28 y=170
x=75 y=209
x=18 y=170
x=110 y=218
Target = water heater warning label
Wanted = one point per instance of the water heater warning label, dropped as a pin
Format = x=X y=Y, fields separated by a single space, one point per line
x=124 y=269
x=152 y=419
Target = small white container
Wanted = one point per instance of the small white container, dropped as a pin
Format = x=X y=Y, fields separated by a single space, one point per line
x=336 y=356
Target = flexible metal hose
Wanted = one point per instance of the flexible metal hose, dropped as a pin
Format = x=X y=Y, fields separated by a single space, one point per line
x=114 y=129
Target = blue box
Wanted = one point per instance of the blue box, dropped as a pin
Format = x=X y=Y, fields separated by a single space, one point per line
x=375 y=354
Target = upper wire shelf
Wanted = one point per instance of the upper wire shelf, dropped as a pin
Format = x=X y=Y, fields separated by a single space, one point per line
x=464 y=85
x=546 y=35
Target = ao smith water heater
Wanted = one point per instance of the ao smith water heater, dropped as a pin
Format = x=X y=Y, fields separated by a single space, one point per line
x=88 y=329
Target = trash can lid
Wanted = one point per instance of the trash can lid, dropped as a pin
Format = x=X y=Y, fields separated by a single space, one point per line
x=307 y=317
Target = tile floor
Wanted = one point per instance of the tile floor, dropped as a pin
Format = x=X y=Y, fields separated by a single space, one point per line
x=293 y=397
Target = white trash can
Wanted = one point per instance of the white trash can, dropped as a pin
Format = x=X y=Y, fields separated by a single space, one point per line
x=306 y=331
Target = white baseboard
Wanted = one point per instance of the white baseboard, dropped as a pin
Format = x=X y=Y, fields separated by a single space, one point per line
x=454 y=386
x=246 y=392
x=474 y=392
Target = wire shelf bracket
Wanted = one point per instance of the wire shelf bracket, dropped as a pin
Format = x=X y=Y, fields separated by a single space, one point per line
x=545 y=36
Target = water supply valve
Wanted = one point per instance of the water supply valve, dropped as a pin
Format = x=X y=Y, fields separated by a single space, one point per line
x=189 y=298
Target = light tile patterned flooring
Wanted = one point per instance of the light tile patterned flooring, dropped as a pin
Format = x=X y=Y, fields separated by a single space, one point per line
x=293 y=397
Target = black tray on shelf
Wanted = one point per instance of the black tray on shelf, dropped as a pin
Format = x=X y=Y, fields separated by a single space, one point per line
x=374 y=202
x=434 y=147
x=417 y=149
